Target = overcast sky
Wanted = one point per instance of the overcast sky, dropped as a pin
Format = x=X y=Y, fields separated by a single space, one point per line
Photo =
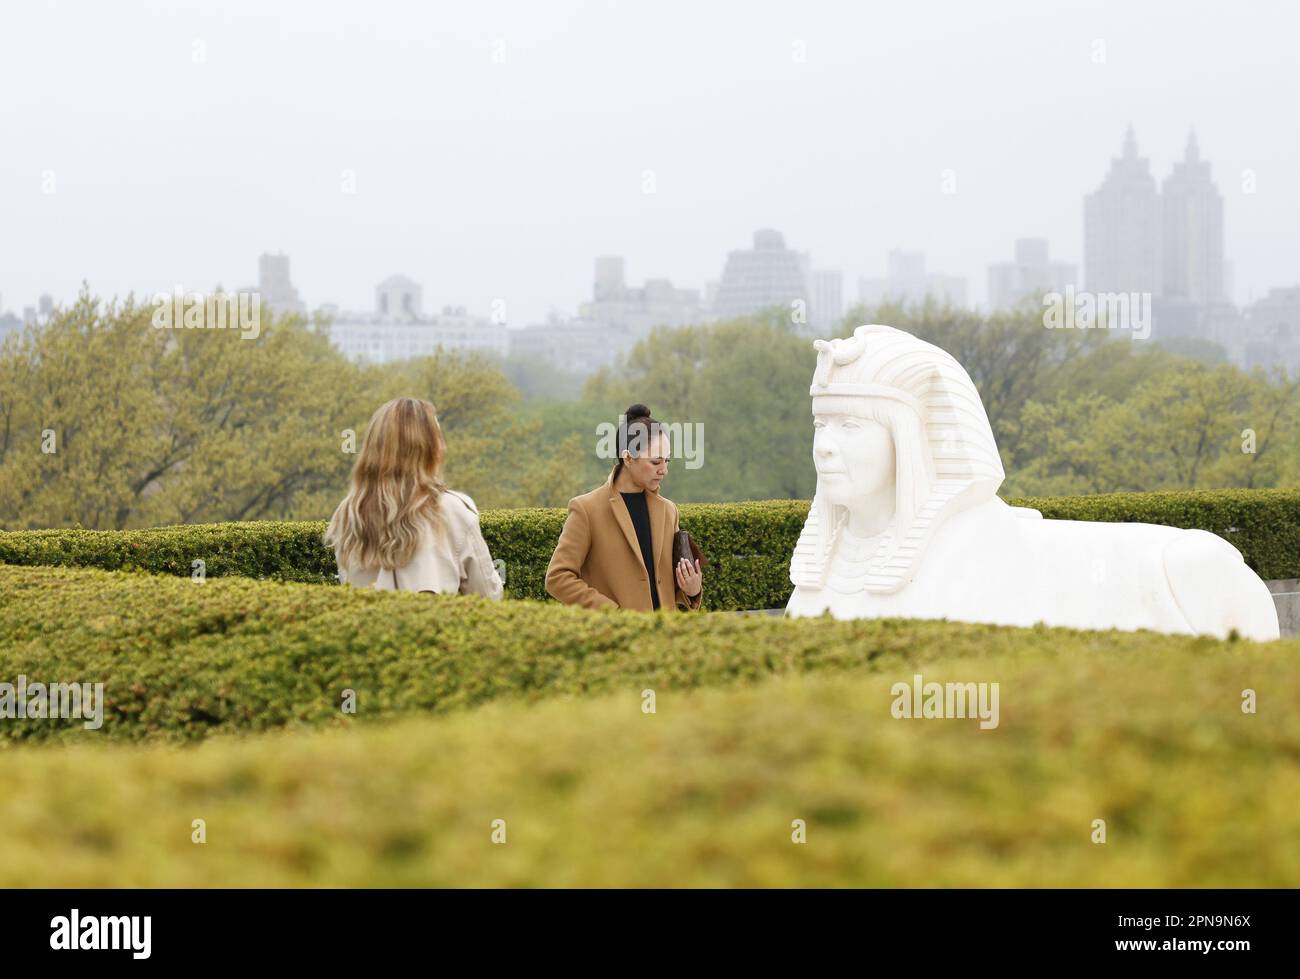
x=499 y=147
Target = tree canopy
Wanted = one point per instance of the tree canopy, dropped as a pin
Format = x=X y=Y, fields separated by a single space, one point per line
x=108 y=422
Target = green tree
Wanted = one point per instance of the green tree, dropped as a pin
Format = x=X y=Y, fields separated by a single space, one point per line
x=151 y=426
x=1184 y=426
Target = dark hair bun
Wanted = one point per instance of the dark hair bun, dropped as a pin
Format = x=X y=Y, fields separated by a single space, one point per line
x=637 y=411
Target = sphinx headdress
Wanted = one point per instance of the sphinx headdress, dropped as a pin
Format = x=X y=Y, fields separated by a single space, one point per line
x=947 y=459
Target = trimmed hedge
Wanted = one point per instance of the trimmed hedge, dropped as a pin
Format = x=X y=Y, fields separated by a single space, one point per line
x=1263 y=524
x=748 y=544
x=279 y=550
x=181 y=660
x=702 y=793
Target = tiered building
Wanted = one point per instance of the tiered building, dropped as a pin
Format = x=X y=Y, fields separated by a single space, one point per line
x=766 y=275
x=1192 y=210
x=1165 y=242
x=1122 y=223
x=273 y=283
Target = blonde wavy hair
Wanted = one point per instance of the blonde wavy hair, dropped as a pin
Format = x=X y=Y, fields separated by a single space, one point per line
x=395 y=489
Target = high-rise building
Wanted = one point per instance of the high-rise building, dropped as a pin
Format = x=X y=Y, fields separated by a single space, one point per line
x=273 y=284
x=827 y=299
x=1192 y=246
x=769 y=274
x=1122 y=224
x=398 y=297
x=1028 y=275
x=9 y=323
x=1272 y=335
x=906 y=282
x=711 y=294
x=609 y=282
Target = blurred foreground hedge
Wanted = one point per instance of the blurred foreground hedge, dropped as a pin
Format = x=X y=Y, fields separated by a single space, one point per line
x=703 y=793
x=748 y=544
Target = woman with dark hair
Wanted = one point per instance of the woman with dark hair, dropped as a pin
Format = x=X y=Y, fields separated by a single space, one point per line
x=400 y=528
x=616 y=549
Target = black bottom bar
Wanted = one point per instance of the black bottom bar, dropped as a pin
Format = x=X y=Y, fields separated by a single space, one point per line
x=948 y=929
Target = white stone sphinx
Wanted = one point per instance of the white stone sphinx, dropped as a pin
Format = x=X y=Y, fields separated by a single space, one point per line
x=906 y=520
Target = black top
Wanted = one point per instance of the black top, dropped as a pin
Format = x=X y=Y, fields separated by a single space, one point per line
x=640 y=514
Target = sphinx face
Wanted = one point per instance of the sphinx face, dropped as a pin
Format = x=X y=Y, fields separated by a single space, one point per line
x=854 y=458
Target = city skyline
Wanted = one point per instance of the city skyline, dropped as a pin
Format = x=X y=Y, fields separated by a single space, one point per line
x=899 y=264
x=491 y=153
x=1130 y=182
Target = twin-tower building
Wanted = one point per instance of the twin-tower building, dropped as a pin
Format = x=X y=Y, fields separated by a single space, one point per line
x=1166 y=241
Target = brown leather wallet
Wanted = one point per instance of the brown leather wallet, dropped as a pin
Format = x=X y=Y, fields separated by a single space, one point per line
x=684 y=546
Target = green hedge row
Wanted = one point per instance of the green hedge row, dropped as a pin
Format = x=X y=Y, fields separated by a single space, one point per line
x=748 y=544
x=181 y=660
x=1263 y=524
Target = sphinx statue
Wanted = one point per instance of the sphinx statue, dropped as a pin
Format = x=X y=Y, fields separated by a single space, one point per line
x=906 y=520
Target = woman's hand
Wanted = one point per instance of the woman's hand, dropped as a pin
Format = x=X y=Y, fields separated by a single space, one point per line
x=689 y=578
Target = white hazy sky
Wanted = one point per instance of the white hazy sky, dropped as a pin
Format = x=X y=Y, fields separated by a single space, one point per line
x=187 y=138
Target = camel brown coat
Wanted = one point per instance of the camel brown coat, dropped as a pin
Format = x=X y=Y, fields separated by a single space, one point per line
x=598 y=564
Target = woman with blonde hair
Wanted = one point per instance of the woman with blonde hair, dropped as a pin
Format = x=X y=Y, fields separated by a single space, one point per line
x=399 y=527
